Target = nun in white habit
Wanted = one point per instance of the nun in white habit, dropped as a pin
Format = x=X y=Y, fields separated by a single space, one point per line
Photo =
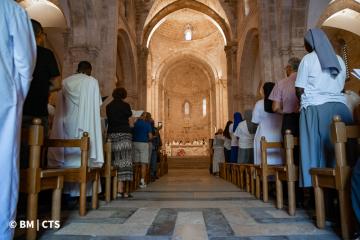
x=319 y=84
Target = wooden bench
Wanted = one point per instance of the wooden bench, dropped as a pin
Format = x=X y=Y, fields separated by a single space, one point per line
x=263 y=171
x=336 y=178
x=134 y=184
x=81 y=175
x=289 y=173
x=109 y=172
x=34 y=179
x=249 y=172
x=222 y=171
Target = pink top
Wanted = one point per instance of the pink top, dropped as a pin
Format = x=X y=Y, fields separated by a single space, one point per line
x=284 y=92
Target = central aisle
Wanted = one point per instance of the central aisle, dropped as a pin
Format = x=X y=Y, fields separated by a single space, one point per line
x=189 y=204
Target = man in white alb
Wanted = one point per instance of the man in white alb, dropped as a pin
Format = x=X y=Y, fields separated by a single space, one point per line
x=78 y=111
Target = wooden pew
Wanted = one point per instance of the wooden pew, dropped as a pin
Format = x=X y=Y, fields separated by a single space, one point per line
x=263 y=171
x=228 y=167
x=234 y=174
x=136 y=177
x=81 y=175
x=249 y=173
x=109 y=173
x=289 y=173
x=336 y=178
x=222 y=171
x=34 y=179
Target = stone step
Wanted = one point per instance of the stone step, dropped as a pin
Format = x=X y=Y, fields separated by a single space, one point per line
x=201 y=162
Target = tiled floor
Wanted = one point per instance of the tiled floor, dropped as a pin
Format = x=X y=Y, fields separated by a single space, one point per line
x=189 y=204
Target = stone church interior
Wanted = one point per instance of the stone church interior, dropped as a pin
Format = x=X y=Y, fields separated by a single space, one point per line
x=187 y=66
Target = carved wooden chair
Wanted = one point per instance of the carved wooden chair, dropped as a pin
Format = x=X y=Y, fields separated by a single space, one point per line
x=289 y=173
x=109 y=172
x=263 y=171
x=336 y=178
x=34 y=179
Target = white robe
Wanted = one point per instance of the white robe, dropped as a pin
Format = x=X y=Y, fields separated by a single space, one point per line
x=17 y=62
x=77 y=111
x=270 y=127
x=219 y=156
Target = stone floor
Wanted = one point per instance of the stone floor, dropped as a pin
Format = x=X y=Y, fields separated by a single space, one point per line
x=188 y=204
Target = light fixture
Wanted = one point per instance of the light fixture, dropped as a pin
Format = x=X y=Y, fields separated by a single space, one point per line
x=188 y=32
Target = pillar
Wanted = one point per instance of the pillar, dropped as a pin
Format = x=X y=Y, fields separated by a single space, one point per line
x=231 y=54
x=143 y=53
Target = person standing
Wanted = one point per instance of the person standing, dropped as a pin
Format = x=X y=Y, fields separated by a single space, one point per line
x=142 y=135
x=119 y=132
x=218 y=147
x=17 y=62
x=284 y=98
x=155 y=147
x=77 y=111
x=234 y=139
x=269 y=126
x=227 y=141
x=46 y=79
x=319 y=84
x=245 y=133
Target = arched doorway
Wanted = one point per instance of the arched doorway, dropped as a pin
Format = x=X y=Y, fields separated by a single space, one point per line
x=54 y=23
x=204 y=53
x=188 y=106
x=249 y=73
x=125 y=68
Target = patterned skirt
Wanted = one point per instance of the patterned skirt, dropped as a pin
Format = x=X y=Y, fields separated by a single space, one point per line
x=122 y=155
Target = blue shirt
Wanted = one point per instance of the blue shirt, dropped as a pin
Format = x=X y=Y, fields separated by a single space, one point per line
x=141 y=131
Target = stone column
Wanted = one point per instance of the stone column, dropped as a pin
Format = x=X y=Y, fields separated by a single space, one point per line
x=231 y=53
x=223 y=102
x=143 y=53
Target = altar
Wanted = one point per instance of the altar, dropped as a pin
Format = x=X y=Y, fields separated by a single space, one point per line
x=187 y=150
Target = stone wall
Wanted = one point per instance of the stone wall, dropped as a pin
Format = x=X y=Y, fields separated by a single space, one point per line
x=92 y=36
x=186 y=83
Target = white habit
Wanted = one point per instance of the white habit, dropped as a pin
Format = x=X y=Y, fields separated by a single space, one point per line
x=270 y=127
x=219 y=156
x=77 y=111
x=17 y=62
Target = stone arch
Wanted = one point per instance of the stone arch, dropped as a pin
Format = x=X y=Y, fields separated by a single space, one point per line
x=181 y=4
x=249 y=72
x=335 y=7
x=344 y=35
x=125 y=66
x=170 y=99
x=188 y=55
x=216 y=102
x=54 y=22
